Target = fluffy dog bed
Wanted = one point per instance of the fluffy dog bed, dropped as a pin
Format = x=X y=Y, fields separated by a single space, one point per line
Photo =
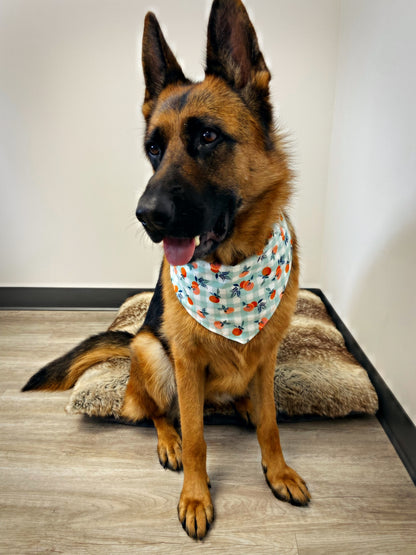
x=315 y=374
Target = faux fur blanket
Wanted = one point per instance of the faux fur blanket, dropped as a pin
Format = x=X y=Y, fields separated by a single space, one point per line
x=315 y=374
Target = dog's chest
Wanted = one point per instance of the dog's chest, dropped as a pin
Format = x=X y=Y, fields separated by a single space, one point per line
x=228 y=373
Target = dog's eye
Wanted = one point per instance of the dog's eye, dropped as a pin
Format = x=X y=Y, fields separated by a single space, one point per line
x=208 y=136
x=153 y=150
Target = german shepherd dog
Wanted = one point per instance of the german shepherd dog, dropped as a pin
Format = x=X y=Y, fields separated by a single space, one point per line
x=221 y=181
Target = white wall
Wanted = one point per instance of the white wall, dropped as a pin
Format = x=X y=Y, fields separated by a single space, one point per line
x=71 y=161
x=369 y=254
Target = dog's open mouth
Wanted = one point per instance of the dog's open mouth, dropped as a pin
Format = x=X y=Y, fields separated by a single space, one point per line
x=181 y=250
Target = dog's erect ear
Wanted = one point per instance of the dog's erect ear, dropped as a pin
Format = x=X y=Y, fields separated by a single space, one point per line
x=233 y=51
x=160 y=66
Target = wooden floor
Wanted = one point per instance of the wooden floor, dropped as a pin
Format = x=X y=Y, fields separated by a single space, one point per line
x=75 y=485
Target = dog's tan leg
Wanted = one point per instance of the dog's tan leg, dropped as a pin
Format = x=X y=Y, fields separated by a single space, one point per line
x=284 y=482
x=195 y=509
x=150 y=392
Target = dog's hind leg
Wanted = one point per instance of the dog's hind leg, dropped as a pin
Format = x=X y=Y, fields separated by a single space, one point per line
x=169 y=444
x=151 y=394
x=245 y=410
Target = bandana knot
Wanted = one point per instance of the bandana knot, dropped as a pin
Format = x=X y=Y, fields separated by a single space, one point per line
x=237 y=301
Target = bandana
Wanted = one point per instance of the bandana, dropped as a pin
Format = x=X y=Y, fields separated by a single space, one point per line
x=237 y=301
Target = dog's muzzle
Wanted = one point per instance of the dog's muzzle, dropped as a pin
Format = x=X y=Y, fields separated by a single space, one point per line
x=191 y=224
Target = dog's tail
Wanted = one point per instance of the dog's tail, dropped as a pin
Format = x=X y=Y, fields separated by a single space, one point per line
x=63 y=372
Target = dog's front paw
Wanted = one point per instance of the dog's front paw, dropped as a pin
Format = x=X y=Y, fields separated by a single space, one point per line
x=287 y=485
x=196 y=514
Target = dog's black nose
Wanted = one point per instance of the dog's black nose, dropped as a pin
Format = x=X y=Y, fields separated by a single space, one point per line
x=156 y=214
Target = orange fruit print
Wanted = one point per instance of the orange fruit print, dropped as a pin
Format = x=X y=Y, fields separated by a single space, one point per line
x=245 y=272
x=247 y=285
x=262 y=323
x=195 y=288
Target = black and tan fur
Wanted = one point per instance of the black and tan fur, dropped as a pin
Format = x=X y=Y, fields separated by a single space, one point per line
x=220 y=171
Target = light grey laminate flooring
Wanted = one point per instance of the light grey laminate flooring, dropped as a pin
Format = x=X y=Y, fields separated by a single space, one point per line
x=70 y=484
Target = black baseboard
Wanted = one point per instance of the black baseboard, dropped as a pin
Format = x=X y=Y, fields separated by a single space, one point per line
x=399 y=428
x=63 y=298
x=396 y=423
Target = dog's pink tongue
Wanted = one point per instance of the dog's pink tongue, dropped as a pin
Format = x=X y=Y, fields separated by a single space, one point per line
x=178 y=250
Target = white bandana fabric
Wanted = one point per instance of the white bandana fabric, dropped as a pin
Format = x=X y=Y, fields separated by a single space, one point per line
x=237 y=301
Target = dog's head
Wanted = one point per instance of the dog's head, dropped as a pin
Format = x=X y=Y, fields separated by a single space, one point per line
x=211 y=144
